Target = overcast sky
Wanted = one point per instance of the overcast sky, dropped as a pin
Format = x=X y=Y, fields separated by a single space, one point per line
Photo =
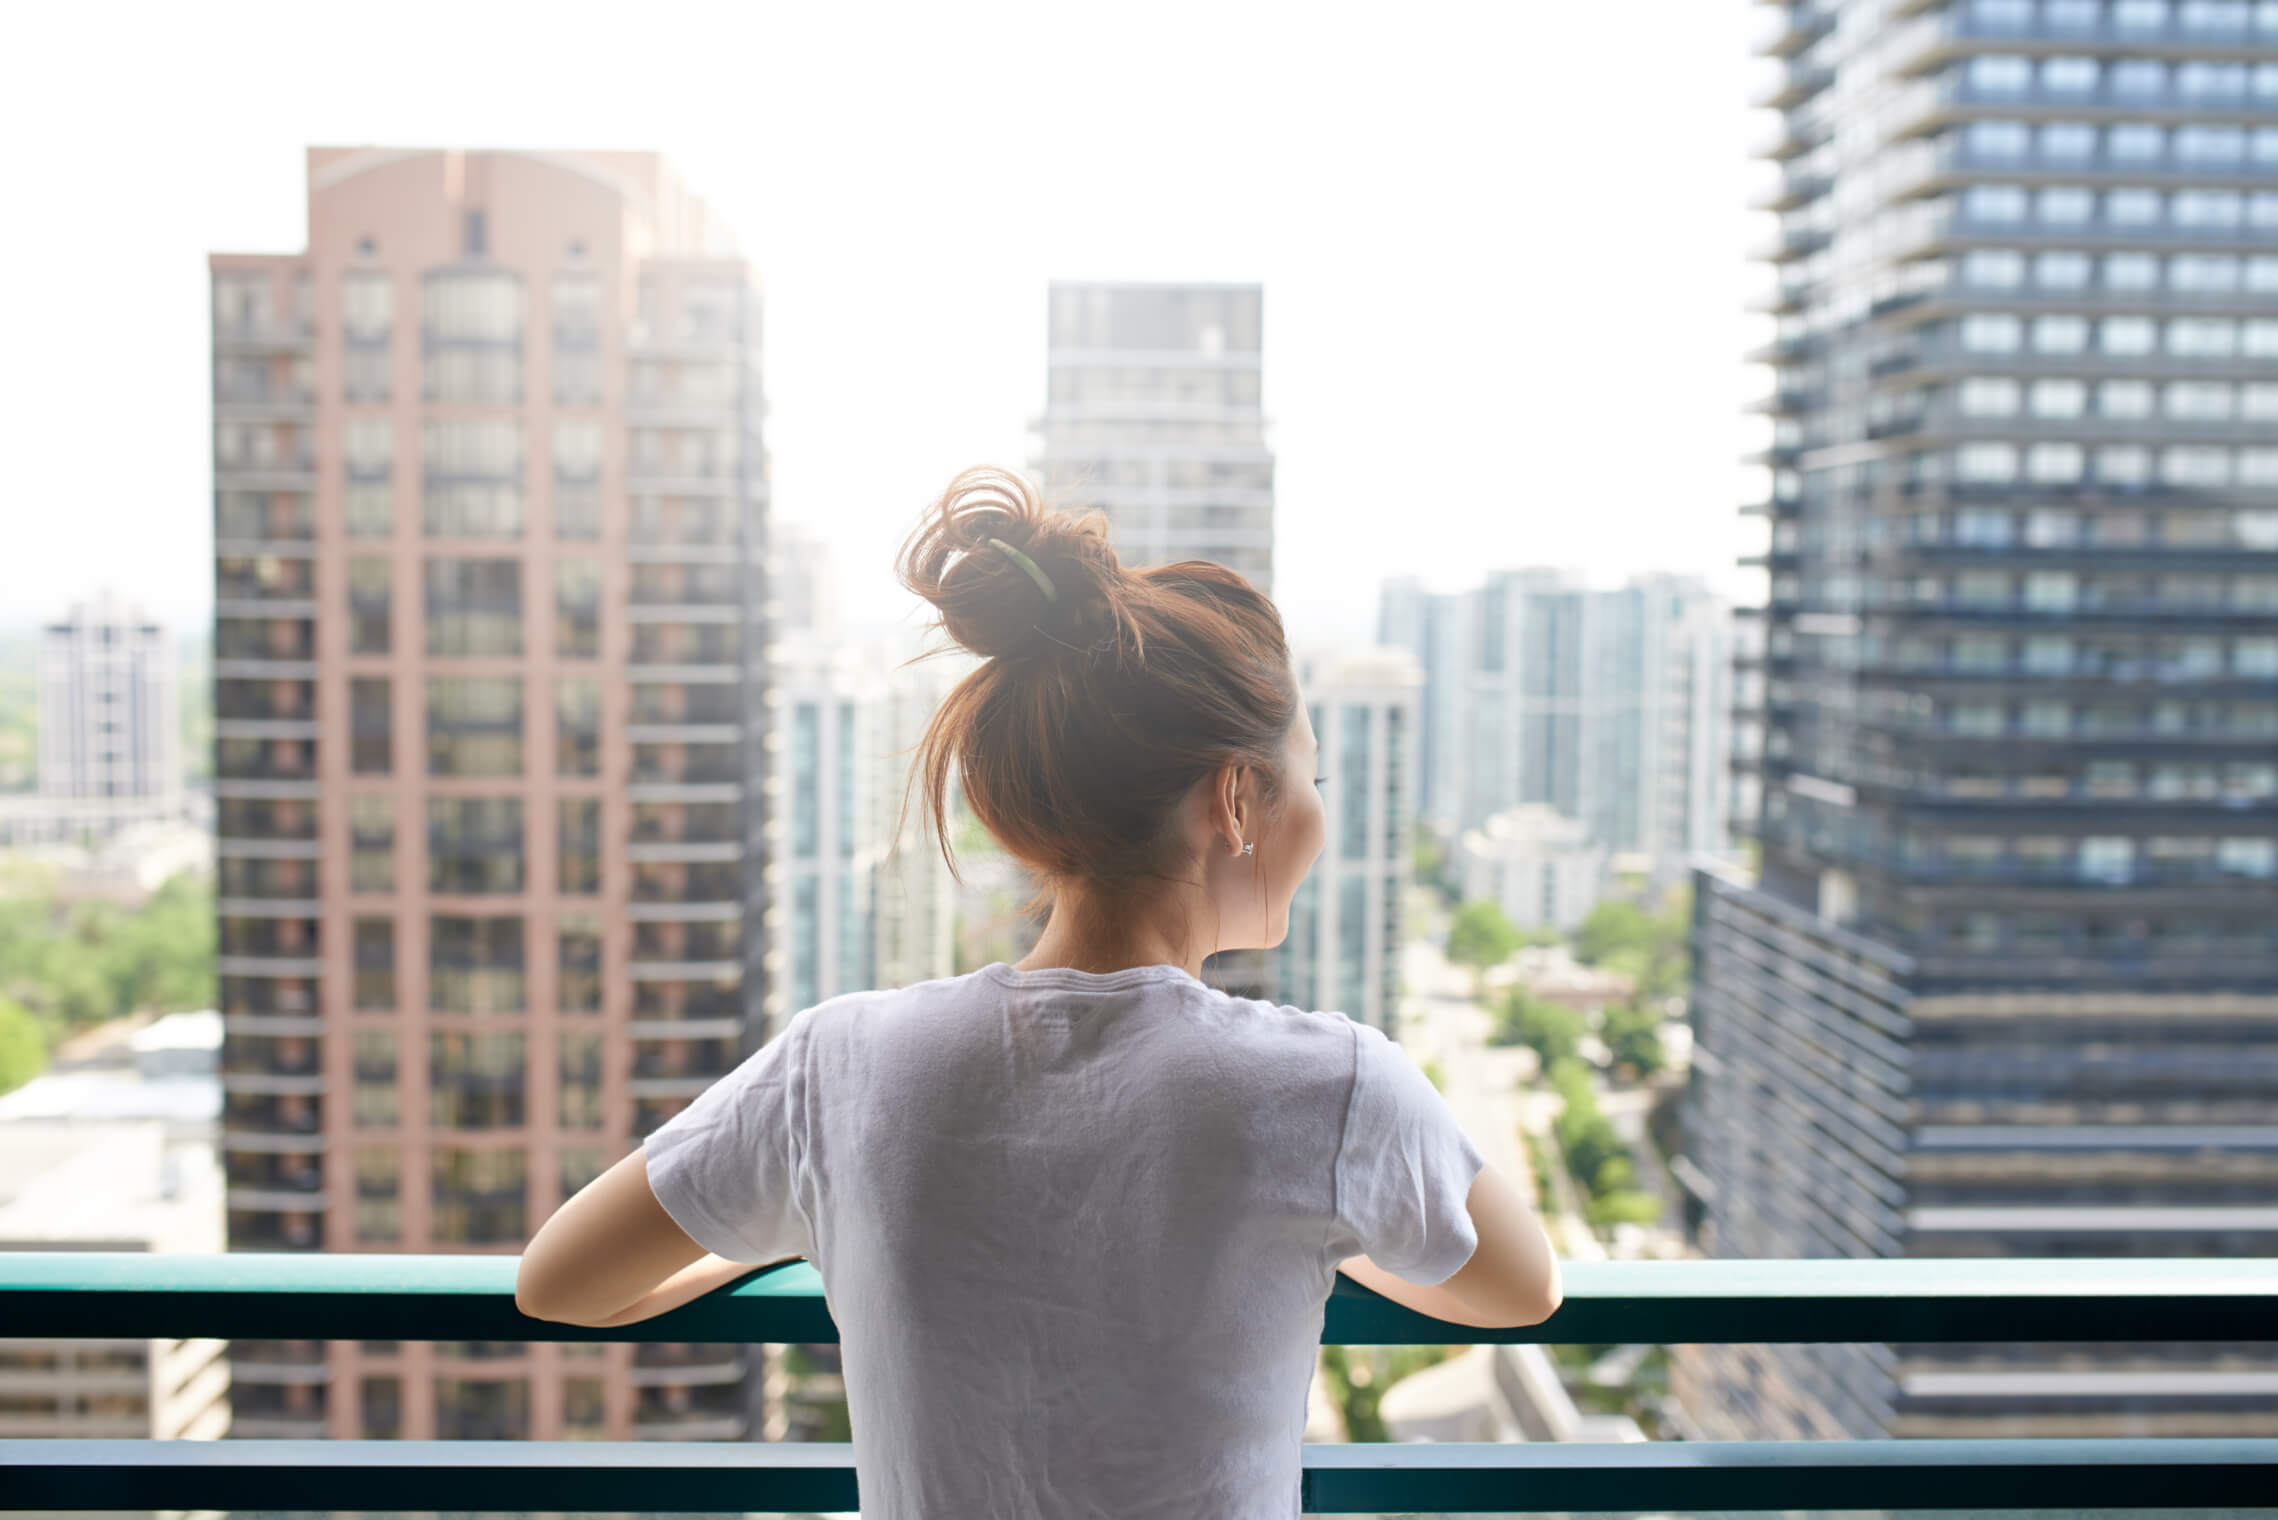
x=1503 y=250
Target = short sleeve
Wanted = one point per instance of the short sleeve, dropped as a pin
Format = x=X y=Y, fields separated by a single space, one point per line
x=1405 y=1167
x=725 y=1166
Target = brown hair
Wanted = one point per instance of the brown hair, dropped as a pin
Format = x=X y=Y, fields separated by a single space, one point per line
x=1099 y=707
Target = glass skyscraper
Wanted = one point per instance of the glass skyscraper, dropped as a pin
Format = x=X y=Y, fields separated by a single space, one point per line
x=2007 y=980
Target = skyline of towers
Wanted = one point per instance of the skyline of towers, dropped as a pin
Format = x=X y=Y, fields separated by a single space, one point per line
x=1608 y=705
x=2007 y=983
x=490 y=512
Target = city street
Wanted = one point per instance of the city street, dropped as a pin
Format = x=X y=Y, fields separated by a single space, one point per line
x=1494 y=1090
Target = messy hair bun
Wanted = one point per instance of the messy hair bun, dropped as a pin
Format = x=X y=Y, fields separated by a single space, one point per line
x=988 y=600
x=1098 y=705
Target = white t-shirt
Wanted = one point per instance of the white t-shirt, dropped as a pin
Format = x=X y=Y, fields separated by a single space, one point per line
x=1076 y=1229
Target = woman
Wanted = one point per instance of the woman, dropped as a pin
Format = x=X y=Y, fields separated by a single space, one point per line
x=1077 y=1217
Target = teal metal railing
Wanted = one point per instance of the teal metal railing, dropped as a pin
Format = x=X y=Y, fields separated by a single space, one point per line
x=405 y=1297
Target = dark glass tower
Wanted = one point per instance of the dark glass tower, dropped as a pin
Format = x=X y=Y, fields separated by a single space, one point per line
x=2007 y=982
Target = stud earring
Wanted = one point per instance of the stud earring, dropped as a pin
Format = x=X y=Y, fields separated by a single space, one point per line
x=1249 y=846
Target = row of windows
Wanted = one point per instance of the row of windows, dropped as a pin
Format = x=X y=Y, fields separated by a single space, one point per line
x=2071 y=269
x=2060 y=719
x=2144 y=80
x=2112 y=657
x=2066 y=591
x=475 y=965
x=466 y=1408
x=1994 y=332
x=474 y=725
x=2139 y=18
x=2125 y=206
x=577 y=606
x=474 y=845
x=2109 y=858
x=2118 y=400
x=2049 y=934
x=2062 y=528
x=2073 y=142
x=488 y=447
x=2184 y=466
x=2122 y=780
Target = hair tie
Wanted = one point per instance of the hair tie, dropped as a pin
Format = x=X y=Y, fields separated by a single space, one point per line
x=1025 y=563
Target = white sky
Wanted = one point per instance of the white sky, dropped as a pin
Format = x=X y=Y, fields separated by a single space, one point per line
x=1503 y=249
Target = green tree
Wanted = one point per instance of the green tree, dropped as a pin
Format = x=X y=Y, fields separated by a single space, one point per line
x=23 y=1048
x=1551 y=1030
x=1358 y=1377
x=1613 y=925
x=1481 y=936
x=1632 y=1034
x=1624 y=1206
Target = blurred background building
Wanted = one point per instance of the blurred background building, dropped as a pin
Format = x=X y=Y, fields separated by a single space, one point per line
x=1609 y=706
x=1154 y=414
x=1342 y=951
x=110 y=753
x=2007 y=983
x=491 y=746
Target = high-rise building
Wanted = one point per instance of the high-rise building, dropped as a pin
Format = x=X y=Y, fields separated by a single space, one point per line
x=110 y=748
x=912 y=939
x=1609 y=706
x=1154 y=414
x=2007 y=983
x=1343 y=947
x=829 y=697
x=491 y=741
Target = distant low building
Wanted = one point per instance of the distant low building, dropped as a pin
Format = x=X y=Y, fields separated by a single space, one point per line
x=115 y=1151
x=1539 y=865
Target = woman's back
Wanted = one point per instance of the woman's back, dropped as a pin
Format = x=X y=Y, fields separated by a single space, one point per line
x=1077 y=1229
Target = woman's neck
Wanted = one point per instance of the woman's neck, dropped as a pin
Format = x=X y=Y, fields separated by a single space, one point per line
x=1104 y=937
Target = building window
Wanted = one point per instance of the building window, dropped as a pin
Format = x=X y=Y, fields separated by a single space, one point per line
x=474 y=607
x=367 y=509
x=577 y=609
x=580 y=1080
x=578 y=965
x=475 y=1081
x=1352 y=944
x=371 y=726
x=577 y=726
x=578 y=846
x=374 y=955
x=474 y=844
x=806 y=937
x=380 y=1402
x=471 y=306
x=843 y=802
x=471 y=478
x=475 y=965
x=474 y=726
x=371 y=843
x=806 y=780
x=369 y=582
x=1351 y=782
x=379 y=1208
x=374 y=1103
x=479 y=1199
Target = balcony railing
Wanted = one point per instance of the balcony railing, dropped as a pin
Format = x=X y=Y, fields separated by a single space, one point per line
x=412 y=1297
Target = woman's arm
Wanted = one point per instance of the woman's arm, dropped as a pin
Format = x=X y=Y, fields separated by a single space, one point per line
x=690 y=1282
x=608 y=1251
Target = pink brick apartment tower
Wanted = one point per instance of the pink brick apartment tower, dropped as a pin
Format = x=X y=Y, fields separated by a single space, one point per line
x=489 y=638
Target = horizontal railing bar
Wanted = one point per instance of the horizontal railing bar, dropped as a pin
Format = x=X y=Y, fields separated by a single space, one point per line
x=1455 y=1476
x=291 y=1296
